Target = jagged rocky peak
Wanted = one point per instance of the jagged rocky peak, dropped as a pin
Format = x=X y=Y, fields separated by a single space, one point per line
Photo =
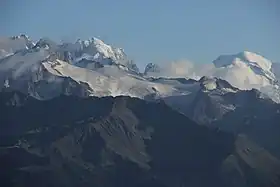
x=152 y=68
x=92 y=50
x=95 y=45
x=102 y=47
x=92 y=40
x=96 y=50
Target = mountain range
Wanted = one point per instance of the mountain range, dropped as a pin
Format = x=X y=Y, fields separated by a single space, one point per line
x=99 y=69
x=83 y=114
x=123 y=141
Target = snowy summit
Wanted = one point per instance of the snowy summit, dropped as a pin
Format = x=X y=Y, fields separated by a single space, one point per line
x=91 y=67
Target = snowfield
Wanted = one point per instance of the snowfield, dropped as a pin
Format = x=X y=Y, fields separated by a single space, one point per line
x=91 y=67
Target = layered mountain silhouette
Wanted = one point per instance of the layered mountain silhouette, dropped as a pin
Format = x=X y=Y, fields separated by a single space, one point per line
x=122 y=141
x=82 y=114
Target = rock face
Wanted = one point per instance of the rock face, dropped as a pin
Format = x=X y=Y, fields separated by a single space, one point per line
x=122 y=141
x=151 y=68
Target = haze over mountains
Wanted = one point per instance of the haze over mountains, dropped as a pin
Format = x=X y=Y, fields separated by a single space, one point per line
x=173 y=125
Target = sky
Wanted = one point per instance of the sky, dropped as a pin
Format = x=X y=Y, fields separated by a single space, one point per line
x=153 y=30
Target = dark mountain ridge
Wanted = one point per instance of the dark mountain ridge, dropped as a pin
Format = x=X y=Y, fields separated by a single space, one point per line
x=121 y=141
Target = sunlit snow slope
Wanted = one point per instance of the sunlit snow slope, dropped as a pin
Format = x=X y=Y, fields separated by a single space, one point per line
x=245 y=70
x=39 y=71
x=46 y=69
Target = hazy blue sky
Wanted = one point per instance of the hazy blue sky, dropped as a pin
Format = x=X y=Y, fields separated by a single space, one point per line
x=153 y=30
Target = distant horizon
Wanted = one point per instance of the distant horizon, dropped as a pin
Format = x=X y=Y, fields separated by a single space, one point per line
x=151 y=32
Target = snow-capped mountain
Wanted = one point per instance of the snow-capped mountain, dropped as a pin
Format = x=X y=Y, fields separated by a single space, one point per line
x=99 y=137
x=88 y=52
x=41 y=68
x=92 y=68
x=40 y=73
x=245 y=70
x=248 y=70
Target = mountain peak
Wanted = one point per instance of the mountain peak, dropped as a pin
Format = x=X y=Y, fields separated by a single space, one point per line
x=98 y=41
x=152 y=68
x=256 y=58
x=245 y=57
x=100 y=64
x=248 y=67
x=96 y=49
x=90 y=41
